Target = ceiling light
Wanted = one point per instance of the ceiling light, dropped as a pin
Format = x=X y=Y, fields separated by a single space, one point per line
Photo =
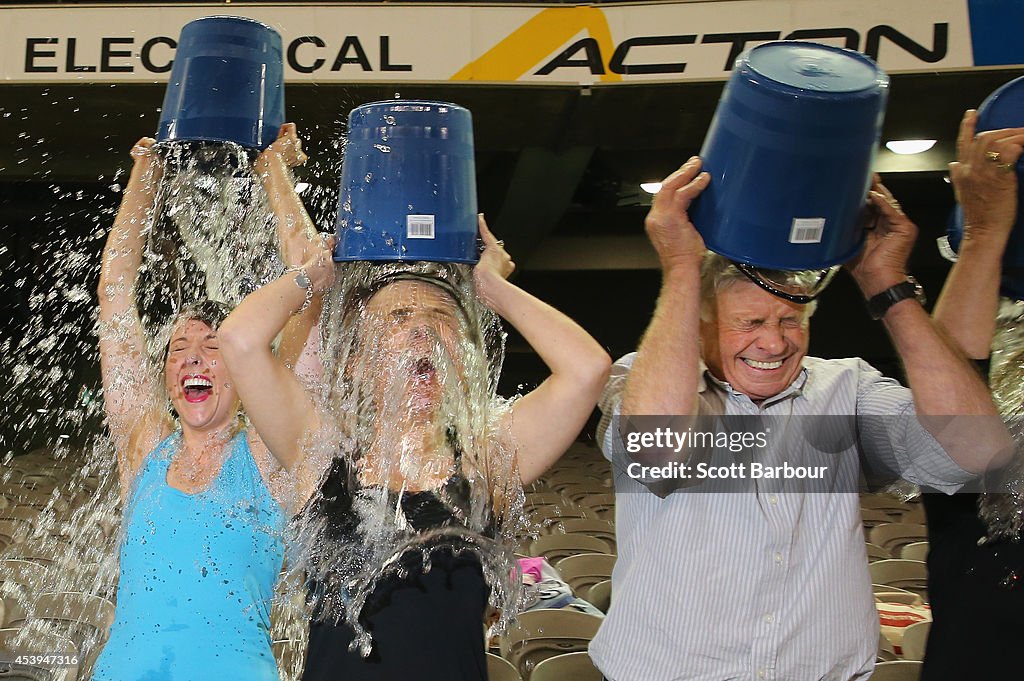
x=909 y=146
x=651 y=187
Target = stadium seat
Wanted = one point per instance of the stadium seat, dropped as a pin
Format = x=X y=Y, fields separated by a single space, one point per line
x=870 y=517
x=915 y=639
x=600 y=595
x=14 y=531
x=901 y=670
x=885 y=593
x=571 y=666
x=884 y=502
x=914 y=515
x=894 y=536
x=554 y=547
x=550 y=514
x=886 y=652
x=586 y=569
x=602 y=504
x=14 y=642
x=534 y=499
x=500 y=669
x=911 y=575
x=876 y=552
x=916 y=551
x=602 y=529
x=540 y=634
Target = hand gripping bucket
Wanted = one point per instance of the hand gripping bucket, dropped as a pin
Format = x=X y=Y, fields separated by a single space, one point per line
x=1004 y=108
x=790 y=152
x=227 y=84
x=408 y=184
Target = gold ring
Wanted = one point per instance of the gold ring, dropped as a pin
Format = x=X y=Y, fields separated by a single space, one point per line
x=992 y=156
x=1005 y=167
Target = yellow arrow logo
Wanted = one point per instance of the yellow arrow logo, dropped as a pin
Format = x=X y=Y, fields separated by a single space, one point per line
x=524 y=48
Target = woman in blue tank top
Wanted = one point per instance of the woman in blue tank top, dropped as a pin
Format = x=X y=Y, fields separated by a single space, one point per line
x=413 y=340
x=202 y=541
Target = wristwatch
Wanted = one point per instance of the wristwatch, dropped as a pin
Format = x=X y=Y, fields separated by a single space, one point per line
x=303 y=282
x=878 y=305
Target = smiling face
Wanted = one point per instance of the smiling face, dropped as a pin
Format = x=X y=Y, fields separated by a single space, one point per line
x=412 y=332
x=755 y=341
x=196 y=378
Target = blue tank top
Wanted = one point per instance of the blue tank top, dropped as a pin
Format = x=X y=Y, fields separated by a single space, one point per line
x=197 y=576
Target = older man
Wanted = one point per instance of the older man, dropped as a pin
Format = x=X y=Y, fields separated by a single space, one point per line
x=763 y=584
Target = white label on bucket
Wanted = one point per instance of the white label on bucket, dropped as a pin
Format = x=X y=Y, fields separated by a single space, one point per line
x=419 y=226
x=807 y=230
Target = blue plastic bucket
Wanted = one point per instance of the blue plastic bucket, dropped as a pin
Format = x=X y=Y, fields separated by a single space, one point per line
x=408 y=184
x=790 y=152
x=227 y=84
x=1004 y=108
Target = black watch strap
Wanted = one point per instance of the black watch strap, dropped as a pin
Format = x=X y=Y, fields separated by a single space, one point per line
x=878 y=305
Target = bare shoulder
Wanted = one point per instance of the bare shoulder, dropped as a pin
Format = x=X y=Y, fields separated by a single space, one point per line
x=150 y=430
x=133 y=444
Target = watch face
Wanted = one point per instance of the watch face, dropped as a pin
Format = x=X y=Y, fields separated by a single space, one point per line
x=301 y=280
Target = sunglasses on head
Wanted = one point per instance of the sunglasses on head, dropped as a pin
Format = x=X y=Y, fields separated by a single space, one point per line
x=799 y=287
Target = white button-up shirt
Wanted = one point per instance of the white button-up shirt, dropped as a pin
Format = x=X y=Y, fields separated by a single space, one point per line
x=761 y=584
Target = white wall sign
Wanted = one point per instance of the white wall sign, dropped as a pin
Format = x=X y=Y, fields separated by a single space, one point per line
x=526 y=44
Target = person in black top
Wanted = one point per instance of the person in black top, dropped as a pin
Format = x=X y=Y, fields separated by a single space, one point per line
x=398 y=394
x=974 y=577
x=421 y=620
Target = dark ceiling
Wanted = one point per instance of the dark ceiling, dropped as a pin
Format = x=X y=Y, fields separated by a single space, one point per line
x=558 y=171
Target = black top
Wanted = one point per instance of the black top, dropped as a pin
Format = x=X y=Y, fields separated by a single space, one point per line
x=976 y=593
x=976 y=596
x=427 y=624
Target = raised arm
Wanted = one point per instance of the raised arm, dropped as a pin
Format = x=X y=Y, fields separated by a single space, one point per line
x=665 y=374
x=547 y=420
x=943 y=382
x=296 y=234
x=131 y=387
x=986 y=188
x=274 y=399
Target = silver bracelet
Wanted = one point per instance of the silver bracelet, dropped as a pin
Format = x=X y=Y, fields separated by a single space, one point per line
x=303 y=282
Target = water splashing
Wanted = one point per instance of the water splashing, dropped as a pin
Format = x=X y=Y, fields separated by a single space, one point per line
x=421 y=465
x=211 y=236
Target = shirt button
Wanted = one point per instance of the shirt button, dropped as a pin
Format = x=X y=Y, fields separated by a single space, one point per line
x=778 y=558
x=761 y=674
x=773 y=499
x=769 y=618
